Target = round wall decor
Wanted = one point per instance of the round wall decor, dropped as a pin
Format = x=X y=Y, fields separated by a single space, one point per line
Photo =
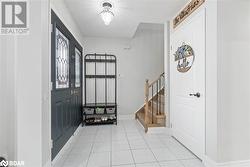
x=185 y=58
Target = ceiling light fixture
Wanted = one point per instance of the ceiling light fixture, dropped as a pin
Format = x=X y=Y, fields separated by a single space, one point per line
x=107 y=15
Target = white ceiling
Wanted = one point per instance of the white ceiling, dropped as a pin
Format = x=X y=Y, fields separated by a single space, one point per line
x=128 y=15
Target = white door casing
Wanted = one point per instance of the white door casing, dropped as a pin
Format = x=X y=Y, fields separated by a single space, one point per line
x=188 y=112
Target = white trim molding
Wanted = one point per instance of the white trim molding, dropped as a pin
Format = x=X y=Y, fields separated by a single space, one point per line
x=210 y=163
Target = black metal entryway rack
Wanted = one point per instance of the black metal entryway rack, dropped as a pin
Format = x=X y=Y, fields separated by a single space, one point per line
x=97 y=112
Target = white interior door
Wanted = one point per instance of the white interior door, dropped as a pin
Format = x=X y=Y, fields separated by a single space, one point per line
x=188 y=112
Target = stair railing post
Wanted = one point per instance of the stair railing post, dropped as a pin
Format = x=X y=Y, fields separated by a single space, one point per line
x=160 y=97
x=152 y=104
x=146 y=101
x=163 y=86
x=157 y=100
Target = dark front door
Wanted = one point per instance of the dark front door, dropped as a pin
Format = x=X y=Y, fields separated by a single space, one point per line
x=66 y=77
x=76 y=85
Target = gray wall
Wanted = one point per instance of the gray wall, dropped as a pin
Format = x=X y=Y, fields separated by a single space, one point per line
x=64 y=14
x=233 y=80
x=21 y=89
x=7 y=102
x=139 y=59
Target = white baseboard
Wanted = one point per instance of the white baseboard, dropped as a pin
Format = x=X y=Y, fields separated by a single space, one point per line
x=67 y=145
x=245 y=163
x=126 y=117
x=210 y=163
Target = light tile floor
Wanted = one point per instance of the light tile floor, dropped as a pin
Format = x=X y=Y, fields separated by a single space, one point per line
x=125 y=145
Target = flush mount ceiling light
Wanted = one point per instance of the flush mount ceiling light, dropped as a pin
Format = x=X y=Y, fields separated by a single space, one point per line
x=107 y=15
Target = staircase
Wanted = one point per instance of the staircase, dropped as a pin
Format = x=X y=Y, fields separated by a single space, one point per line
x=152 y=114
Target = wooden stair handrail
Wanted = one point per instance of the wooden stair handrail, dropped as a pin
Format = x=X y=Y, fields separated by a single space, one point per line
x=152 y=83
x=152 y=113
x=147 y=100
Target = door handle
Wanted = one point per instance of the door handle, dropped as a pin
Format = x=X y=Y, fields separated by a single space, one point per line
x=198 y=95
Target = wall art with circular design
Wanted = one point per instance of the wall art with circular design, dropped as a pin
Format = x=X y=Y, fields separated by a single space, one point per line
x=185 y=58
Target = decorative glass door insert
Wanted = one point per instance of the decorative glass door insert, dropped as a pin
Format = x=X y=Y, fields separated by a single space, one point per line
x=62 y=60
x=77 y=68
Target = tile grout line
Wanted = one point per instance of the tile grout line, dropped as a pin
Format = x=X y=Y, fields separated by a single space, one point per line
x=151 y=150
x=111 y=143
x=179 y=160
x=126 y=129
x=70 y=149
x=129 y=146
x=142 y=135
x=91 y=148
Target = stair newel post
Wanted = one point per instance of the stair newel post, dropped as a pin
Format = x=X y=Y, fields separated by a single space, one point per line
x=159 y=98
x=157 y=95
x=152 y=104
x=146 y=101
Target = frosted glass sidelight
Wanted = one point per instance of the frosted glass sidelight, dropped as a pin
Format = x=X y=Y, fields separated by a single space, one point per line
x=62 y=60
x=77 y=68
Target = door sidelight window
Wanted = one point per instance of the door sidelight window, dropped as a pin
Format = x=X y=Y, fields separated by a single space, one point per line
x=77 y=68
x=62 y=60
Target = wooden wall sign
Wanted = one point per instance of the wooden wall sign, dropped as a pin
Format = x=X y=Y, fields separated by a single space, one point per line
x=188 y=10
